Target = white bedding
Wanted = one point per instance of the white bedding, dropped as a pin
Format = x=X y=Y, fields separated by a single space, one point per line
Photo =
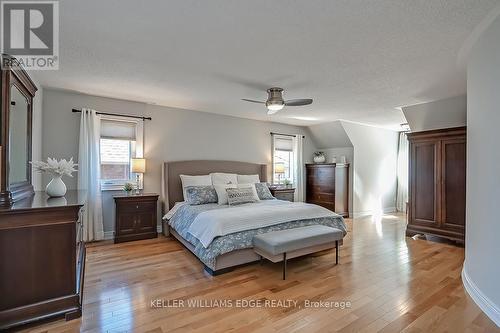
x=220 y=222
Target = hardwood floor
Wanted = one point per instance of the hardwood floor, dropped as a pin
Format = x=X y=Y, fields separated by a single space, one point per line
x=393 y=284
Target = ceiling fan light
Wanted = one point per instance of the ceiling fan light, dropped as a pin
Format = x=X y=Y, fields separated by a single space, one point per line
x=274 y=106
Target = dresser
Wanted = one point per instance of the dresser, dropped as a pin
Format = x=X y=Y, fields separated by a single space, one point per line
x=135 y=217
x=42 y=258
x=283 y=192
x=327 y=185
x=437 y=179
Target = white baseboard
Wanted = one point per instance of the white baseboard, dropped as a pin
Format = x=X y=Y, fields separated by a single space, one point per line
x=489 y=308
x=111 y=234
x=386 y=210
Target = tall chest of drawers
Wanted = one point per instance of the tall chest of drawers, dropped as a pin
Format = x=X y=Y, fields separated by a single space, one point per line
x=327 y=185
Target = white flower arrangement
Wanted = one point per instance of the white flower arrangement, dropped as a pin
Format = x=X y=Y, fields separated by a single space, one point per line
x=55 y=168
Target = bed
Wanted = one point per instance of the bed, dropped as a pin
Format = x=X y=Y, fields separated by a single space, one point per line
x=222 y=252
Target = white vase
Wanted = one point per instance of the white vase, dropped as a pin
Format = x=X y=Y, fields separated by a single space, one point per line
x=56 y=187
x=319 y=159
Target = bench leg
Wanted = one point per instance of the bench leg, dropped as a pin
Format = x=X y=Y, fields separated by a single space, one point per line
x=336 y=252
x=284 y=266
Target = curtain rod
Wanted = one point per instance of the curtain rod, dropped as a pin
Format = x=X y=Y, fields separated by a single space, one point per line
x=274 y=133
x=117 y=114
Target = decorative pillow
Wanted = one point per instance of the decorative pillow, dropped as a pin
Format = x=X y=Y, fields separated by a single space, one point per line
x=221 y=192
x=248 y=179
x=186 y=181
x=199 y=195
x=219 y=178
x=240 y=195
x=254 y=190
x=263 y=191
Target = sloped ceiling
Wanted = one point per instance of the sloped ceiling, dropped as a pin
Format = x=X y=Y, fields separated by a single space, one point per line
x=445 y=113
x=358 y=60
x=330 y=135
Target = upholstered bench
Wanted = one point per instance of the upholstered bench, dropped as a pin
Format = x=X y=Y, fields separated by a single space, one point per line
x=290 y=243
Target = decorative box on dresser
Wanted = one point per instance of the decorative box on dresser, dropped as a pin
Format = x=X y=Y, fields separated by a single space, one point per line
x=327 y=185
x=135 y=217
x=437 y=175
x=42 y=258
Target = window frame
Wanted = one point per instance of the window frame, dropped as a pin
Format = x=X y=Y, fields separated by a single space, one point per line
x=117 y=185
x=291 y=162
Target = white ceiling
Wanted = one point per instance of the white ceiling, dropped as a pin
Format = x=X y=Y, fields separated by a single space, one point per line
x=358 y=60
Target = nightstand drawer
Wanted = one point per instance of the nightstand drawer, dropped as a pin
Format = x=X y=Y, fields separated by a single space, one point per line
x=287 y=194
x=137 y=206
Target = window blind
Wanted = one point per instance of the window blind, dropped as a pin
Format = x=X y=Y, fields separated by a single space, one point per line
x=283 y=144
x=118 y=129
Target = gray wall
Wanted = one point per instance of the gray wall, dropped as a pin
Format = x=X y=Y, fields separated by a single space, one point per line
x=172 y=135
x=375 y=168
x=481 y=270
x=444 y=113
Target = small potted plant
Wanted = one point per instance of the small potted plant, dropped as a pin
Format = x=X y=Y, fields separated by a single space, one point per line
x=287 y=182
x=128 y=188
x=319 y=157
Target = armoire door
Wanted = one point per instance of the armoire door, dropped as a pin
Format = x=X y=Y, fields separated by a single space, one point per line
x=424 y=183
x=453 y=162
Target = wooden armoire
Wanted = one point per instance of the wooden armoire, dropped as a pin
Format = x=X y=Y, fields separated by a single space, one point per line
x=437 y=183
x=327 y=185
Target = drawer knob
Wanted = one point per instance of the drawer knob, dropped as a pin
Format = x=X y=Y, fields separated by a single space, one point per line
x=137 y=206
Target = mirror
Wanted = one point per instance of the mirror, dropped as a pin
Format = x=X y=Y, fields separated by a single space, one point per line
x=16 y=114
x=18 y=137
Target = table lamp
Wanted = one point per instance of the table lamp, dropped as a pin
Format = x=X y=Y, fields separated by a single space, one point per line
x=279 y=169
x=138 y=167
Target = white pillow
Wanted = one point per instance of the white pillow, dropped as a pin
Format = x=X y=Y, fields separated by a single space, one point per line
x=221 y=192
x=254 y=190
x=187 y=180
x=248 y=179
x=219 y=178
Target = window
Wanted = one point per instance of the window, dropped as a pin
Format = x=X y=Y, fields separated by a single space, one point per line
x=120 y=141
x=283 y=159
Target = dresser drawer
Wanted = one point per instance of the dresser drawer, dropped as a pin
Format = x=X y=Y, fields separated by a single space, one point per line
x=323 y=197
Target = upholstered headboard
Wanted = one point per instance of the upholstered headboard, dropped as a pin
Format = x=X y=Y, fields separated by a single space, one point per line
x=171 y=171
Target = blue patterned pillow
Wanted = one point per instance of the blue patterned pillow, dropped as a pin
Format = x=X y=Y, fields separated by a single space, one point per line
x=263 y=191
x=199 y=195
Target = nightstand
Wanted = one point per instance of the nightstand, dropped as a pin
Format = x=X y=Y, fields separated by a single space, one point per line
x=135 y=217
x=283 y=193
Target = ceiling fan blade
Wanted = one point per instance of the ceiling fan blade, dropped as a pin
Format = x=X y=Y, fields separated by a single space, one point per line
x=298 y=102
x=253 y=101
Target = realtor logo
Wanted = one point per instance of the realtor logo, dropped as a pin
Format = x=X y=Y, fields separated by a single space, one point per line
x=30 y=33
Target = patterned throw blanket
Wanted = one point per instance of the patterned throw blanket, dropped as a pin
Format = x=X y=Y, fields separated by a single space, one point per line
x=183 y=216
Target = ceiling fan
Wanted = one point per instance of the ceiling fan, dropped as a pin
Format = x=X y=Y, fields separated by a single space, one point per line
x=275 y=101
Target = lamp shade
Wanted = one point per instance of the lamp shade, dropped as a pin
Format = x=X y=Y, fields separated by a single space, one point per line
x=279 y=168
x=138 y=165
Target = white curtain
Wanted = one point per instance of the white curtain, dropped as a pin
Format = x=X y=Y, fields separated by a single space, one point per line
x=299 y=167
x=402 y=173
x=89 y=174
